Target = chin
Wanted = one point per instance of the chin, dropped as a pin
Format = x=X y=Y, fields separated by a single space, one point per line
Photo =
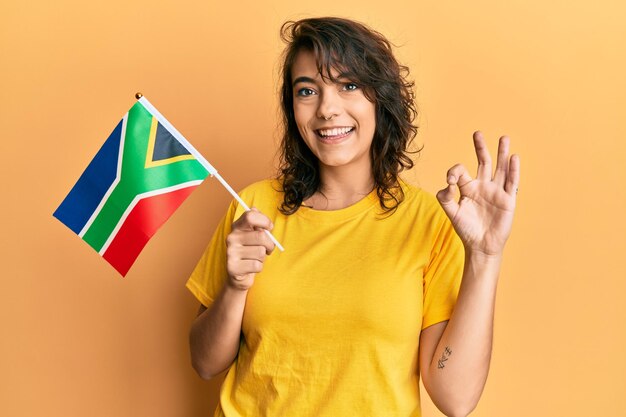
x=337 y=161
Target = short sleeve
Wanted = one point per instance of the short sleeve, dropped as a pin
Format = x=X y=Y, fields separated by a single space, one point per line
x=442 y=277
x=210 y=273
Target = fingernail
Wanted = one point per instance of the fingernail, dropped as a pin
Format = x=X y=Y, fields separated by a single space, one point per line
x=451 y=179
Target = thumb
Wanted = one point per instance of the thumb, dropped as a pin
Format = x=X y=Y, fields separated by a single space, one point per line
x=447 y=200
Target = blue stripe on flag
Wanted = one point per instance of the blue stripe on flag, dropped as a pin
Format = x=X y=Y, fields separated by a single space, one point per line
x=92 y=185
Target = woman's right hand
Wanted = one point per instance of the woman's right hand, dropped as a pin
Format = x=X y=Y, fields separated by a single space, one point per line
x=247 y=245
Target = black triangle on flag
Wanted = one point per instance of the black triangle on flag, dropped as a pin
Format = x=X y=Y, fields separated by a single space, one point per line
x=166 y=146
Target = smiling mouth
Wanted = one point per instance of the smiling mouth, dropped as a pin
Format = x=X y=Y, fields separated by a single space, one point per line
x=334 y=133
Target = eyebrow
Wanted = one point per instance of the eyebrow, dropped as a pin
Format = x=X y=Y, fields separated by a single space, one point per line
x=304 y=79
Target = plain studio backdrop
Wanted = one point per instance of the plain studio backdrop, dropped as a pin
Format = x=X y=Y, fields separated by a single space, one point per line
x=78 y=340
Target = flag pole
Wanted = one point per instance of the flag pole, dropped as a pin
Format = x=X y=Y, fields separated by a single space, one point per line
x=245 y=207
x=212 y=171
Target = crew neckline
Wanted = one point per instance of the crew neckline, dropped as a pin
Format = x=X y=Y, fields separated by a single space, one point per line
x=364 y=204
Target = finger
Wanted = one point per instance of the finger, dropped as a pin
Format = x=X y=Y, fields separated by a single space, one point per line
x=267 y=241
x=251 y=253
x=458 y=175
x=447 y=200
x=502 y=166
x=253 y=219
x=250 y=238
x=512 y=179
x=484 y=159
x=239 y=267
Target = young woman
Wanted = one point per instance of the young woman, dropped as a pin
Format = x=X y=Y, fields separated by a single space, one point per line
x=380 y=282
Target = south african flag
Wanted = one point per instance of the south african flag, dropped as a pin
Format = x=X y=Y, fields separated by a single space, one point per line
x=139 y=177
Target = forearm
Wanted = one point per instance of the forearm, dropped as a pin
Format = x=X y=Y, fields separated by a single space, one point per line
x=215 y=333
x=459 y=365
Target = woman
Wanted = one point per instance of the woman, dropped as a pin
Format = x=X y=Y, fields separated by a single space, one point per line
x=379 y=282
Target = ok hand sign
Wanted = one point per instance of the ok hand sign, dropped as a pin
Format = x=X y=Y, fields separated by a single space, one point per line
x=483 y=215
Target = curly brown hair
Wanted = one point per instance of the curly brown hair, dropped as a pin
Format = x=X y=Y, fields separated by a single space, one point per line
x=345 y=45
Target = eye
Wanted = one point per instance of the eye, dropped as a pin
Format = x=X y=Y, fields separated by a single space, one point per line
x=350 y=86
x=305 y=92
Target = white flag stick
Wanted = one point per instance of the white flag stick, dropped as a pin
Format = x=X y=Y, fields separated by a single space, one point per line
x=246 y=208
x=144 y=101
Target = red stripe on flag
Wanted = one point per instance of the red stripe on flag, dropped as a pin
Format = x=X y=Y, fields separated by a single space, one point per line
x=140 y=225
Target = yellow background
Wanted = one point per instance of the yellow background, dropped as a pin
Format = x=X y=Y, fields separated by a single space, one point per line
x=78 y=340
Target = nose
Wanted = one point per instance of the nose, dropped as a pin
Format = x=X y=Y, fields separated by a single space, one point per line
x=329 y=104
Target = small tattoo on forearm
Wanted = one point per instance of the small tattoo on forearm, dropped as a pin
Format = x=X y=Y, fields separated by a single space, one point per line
x=441 y=363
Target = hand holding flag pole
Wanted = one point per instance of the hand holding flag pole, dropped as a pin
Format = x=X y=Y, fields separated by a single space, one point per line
x=144 y=101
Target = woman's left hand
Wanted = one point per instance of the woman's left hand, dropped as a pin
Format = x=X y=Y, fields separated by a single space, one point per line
x=483 y=215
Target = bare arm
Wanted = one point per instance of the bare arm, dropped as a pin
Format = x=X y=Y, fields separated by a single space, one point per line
x=214 y=336
x=215 y=333
x=455 y=355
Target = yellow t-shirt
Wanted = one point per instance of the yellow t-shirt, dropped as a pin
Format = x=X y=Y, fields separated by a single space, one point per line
x=331 y=326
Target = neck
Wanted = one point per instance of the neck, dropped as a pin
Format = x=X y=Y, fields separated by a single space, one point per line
x=340 y=188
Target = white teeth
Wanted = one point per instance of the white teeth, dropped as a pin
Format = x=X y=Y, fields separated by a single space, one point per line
x=335 y=131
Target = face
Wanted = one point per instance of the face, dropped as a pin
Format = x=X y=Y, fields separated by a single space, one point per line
x=336 y=120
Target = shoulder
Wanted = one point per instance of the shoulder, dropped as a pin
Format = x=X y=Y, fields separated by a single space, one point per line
x=264 y=188
x=265 y=195
x=426 y=217
x=421 y=210
x=416 y=198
